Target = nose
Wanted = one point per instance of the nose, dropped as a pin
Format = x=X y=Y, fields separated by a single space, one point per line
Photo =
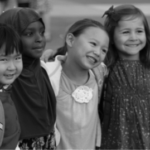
x=133 y=36
x=39 y=37
x=97 y=51
x=11 y=65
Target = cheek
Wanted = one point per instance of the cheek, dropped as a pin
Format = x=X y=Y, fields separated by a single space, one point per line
x=145 y=40
x=27 y=44
x=103 y=56
x=3 y=68
x=118 y=40
x=19 y=66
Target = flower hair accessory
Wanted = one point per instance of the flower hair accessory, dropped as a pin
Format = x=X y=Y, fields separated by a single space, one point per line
x=111 y=13
x=83 y=94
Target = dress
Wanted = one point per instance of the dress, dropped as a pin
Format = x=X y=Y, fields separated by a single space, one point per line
x=77 y=121
x=127 y=95
x=77 y=111
x=12 y=127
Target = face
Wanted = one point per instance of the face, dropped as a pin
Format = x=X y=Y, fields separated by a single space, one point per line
x=10 y=66
x=33 y=40
x=130 y=38
x=89 y=49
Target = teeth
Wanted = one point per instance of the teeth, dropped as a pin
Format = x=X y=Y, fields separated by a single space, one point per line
x=9 y=75
x=133 y=45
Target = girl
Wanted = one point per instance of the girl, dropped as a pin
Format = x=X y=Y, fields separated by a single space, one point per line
x=32 y=92
x=126 y=123
x=86 y=43
x=10 y=69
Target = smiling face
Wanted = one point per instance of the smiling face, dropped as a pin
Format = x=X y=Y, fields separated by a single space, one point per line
x=130 y=38
x=89 y=49
x=33 y=40
x=10 y=66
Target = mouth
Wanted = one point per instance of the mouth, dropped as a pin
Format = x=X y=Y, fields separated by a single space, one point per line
x=132 y=45
x=9 y=76
x=38 y=49
x=93 y=60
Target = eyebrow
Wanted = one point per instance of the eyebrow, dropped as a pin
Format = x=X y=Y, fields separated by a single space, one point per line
x=32 y=28
x=3 y=54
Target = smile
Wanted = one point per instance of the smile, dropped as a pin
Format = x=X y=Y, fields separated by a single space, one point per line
x=9 y=76
x=92 y=59
x=133 y=45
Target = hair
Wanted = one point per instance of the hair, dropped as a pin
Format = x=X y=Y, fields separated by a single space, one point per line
x=10 y=38
x=114 y=15
x=77 y=29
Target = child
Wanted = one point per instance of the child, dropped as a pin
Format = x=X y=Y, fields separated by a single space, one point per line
x=10 y=69
x=126 y=123
x=75 y=86
x=32 y=92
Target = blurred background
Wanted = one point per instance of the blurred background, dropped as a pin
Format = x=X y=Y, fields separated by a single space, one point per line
x=63 y=13
x=58 y=15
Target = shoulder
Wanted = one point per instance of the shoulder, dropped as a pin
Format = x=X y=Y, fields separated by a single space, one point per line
x=101 y=71
x=104 y=69
x=52 y=67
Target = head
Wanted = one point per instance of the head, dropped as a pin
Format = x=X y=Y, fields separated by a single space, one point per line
x=86 y=43
x=10 y=55
x=129 y=34
x=29 y=26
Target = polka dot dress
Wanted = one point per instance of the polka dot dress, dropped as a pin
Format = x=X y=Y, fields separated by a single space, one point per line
x=128 y=113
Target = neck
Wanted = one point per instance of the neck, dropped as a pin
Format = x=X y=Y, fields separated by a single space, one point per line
x=27 y=61
x=75 y=73
x=129 y=57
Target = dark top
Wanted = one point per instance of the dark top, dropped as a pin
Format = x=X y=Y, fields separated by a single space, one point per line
x=35 y=100
x=127 y=107
x=12 y=128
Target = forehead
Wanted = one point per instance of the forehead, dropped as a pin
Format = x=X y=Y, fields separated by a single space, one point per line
x=94 y=32
x=35 y=25
x=131 y=22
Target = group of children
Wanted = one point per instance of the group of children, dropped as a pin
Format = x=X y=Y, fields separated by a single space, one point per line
x=56 y=105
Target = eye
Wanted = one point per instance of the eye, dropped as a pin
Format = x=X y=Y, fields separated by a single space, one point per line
x=28 y=34
x=93 y=43
x=104 y=51
x=125 y=32
x=140 y=31
x=19 y=57
x=42 y=32
x=3 y=59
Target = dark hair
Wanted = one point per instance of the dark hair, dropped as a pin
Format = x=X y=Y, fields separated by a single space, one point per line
x=77 y=29
x=10 y=38
x=114 y=15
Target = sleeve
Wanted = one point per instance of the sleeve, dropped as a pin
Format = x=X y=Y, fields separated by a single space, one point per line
x=54 y=73
x=2 y=123
x=100 y=73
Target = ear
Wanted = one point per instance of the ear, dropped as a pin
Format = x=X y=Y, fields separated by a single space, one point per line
x=70 y=39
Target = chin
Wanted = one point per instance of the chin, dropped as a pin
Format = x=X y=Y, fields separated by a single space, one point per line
x=37 y=56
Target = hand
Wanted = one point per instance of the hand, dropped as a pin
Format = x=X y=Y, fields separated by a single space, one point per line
x=48 y=55
x=62 y=58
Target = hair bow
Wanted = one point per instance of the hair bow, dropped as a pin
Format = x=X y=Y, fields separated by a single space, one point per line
x=109 y=12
